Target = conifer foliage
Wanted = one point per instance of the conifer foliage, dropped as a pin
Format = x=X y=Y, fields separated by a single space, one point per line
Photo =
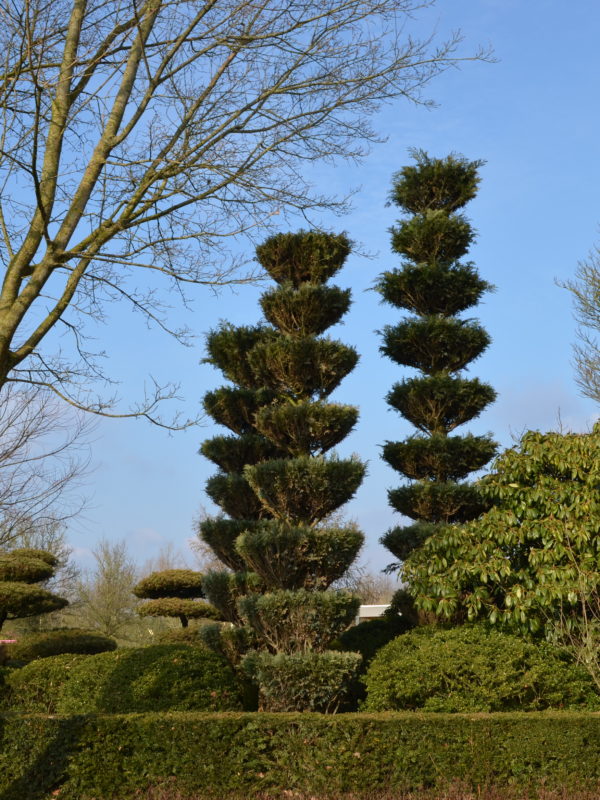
x=174 y=593
x=435 y=287
x=21 y=572
x=286 y=370
x=234 y=407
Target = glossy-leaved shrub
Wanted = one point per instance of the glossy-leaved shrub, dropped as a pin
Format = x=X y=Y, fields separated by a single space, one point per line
x=472 y=668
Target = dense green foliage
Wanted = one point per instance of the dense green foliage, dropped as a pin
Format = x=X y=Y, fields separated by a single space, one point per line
x=368 y=637
x=20 y=596
x=305 y=489
x=311 y=755
x=312 y=681
x=158 y=678
x=36 y=687
x=277 y=481
x=59 y=641
x=174 y=593
x=533 y=558
x=470 y=668
x=435 y=286
x=185 y=583
x=235 y=408
x=298 y=621
x=299 y=557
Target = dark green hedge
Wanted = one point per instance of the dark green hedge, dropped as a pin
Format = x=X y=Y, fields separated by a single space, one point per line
x=222 y=755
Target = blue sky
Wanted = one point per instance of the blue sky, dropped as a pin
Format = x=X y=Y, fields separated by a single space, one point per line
x=534 y=117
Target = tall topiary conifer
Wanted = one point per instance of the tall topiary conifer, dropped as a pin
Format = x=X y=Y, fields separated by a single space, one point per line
x=294 y=554
x=435 y=287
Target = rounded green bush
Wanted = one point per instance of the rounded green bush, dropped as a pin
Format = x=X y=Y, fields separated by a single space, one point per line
x=158 y=678
x=472 y=668
x=57 y=642
x=37 y=687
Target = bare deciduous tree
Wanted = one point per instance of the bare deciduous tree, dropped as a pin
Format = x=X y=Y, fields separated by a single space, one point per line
x=43 y=459
x=370 y=587
x=104 y=598
x=137 y=137
x=585 y=288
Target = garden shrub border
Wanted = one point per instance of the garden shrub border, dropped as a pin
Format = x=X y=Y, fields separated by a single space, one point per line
x=233 y=754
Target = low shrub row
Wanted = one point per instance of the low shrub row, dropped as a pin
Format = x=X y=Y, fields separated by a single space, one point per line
x=230 y=754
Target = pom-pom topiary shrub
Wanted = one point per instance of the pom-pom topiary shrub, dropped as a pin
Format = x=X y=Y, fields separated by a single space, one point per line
x=20 y=596
x=472 y=668
x=174 y=593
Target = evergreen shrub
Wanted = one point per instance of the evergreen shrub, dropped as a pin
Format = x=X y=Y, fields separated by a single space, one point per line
x=156 y=678
x=299 y=557
x=37 y=687
x=305 y=489
x=471 y=668
x=309 y=681
x=298 y=621
x=57 y=642
x=435 y=286
x=189 y=636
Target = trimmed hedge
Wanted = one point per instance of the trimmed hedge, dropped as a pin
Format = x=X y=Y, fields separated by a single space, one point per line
x=303 y=681
x=156 y=678
x=221 y=755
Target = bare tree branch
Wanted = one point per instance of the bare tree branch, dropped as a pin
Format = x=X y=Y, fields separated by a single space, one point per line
x=585 y=288
x=44 y=456
x=138 y=138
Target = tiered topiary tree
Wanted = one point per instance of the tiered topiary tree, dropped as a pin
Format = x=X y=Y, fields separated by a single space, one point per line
x=435 y=286
x=20 y=596
x=174 y=593
x=290 y=547
x=297 y=554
